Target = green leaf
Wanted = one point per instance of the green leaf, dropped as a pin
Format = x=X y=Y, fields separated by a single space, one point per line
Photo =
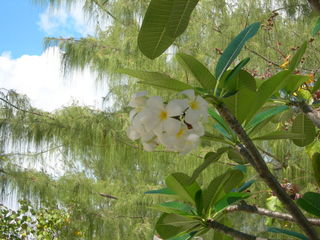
x=316 y=28
x=310 y=202
x=220 y=186
x=266 y=90
x=280 y=135
x=163 y=22
x=157 y=79
x=172 y=225
x=295 y=82
x=235 y=156
x=223 y=125
x=175 y=208
x=245 y=85
x=297 y=57
x=246 y=185
x=304 y=126
x=209 y=158
x=234 y=48
x=187 y=236
x=316 y=167
x=182 y=185
x=260 y=117
x=162 y=191
x=227 y=83
x=229 y=199
x=287 y=232
x=198 y=70
x=316 y=86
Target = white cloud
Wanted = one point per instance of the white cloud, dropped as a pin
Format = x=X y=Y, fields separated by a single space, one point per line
x=62 y=22
x=41 y=79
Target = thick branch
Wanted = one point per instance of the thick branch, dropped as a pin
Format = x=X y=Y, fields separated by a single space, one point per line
x=266 y=212
x=254 y=157
x=311 y=113
x=315 y=4
x=232 y=232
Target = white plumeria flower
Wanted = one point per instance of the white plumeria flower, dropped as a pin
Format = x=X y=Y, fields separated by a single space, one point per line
x=150 y=145
x=138 y=102
x=182 y=141
x=159 y=116
x=198 y=107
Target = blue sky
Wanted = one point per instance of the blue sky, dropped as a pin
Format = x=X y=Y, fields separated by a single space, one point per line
x=20 y=33
x=28 y=69
x=23 y=26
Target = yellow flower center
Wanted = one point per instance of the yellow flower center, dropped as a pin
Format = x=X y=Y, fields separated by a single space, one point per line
x=180 y=133
x=194 y=105
x=163 y=115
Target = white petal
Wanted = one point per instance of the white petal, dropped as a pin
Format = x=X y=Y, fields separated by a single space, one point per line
x=149 y=146
x=132 y=134
x=175 y=107
x=147 y=136
x=192 y=116
x=189 y=93
x=132 y=113
x=155 y=102
x=198 y=129
x=171 y=126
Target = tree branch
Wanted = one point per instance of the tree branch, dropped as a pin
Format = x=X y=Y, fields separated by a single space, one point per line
x=232 y=232
x=311 y=113
x=266 y=212
x=251 y=153
x=315 y=4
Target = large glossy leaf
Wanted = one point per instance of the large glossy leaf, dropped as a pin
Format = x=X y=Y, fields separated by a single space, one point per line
x=268 y=88
x=310 y=202
x=220 y=186
x=178 y=208
x=297 y=57
x=239 y=103
x=228 y=83
x=316 y=167
x=198 y=70
x=246 y=185
x=162 y=191
x=234 y=48
x=209 y=158
x=295 y=82
x=280 y=135
x=260 y=117
x=287 y=232
x=157 y=79
x=235 y=156
x=304 y=126
x=163 y=22
x=229 y=199
x=316 y=28
x=187 y=236
x=223 y=127
x=173 y=225
x=182 y=185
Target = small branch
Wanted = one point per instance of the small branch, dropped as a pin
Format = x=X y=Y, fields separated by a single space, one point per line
x=252 y=154
x=315 y=4
x=266 y=212
x=311 y=113
x=263 y=57
x=108 y=196
x=23 y=110
x=232 y=232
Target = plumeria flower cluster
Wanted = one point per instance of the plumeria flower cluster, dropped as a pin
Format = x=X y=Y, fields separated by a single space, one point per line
x=177 y=125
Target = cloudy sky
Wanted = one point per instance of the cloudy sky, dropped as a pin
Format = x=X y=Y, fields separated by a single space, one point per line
x=27 y=68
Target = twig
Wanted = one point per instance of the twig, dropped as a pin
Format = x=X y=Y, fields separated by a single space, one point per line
x=266 y=212
x=311 y=113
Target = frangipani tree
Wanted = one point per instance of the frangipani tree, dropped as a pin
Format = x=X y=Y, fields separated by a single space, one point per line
x=241 y=106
